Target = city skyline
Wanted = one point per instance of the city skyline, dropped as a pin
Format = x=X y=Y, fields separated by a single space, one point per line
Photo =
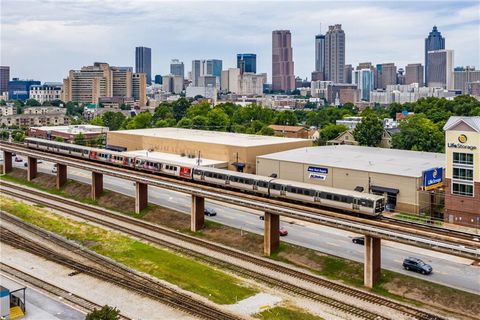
x=65 y=38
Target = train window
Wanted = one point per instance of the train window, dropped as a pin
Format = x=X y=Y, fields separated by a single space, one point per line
x=276 y=186
x=343 y=199
x=208 y=174
x=336 y=197
x=309 y=192
x=196 y=171
x=233 y=179
x=329 y=196
x=262 y=184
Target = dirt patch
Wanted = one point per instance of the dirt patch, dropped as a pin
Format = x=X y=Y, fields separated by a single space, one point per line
x=117 y=201
x=235 y=238
x=434 y=295
x=77 y=190
x=168 y=218
x=302 y=259
x=18 y=173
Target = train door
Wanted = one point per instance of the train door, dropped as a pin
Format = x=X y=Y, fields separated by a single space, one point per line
x=355 y=204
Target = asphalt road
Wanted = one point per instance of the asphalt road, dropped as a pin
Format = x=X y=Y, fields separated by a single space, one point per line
x=448 y=270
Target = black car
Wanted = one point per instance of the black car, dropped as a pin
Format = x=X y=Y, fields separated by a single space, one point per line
x=359 y=240
x=210 y=212
x=417 y=265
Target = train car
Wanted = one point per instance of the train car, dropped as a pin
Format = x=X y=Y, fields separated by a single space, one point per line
x=353 y=201
x=58 y=147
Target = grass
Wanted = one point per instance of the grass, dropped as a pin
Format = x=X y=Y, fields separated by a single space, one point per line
x=188 y=274
x=416 y=218
x=283 y=313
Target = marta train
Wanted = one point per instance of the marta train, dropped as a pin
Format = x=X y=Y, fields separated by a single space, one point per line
x=346 y=200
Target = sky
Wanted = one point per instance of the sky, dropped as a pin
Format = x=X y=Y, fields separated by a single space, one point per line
x=44 y=39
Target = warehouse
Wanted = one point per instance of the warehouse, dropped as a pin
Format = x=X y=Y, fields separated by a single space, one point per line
x=397 y=174
x=239 y=151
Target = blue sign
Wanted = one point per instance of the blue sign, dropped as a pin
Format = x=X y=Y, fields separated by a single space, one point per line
x=432 y=178
x=318 y=170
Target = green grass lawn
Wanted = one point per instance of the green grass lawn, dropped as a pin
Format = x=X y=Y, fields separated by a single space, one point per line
x=282 y=313
x=186 y=273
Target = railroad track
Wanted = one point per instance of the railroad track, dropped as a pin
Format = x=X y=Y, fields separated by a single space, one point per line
x=66 y=297
x=258 y=261
x=466 y=239
x=106 y=270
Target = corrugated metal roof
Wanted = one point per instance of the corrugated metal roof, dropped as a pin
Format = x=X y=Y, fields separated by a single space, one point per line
x=473 y=122
x=380 y=160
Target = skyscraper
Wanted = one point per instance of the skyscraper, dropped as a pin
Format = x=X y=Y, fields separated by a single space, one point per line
x=347 y=75
x=335 y=54
x=440 y=69
x=4 y=78
x=364 y=81
x=202 y=68
x=143 y=62
x=320 y=53
x=386 y=74
x=434 y=41
x=139 y=88
x=177 y=68
x=283 y=77
x=414 y=74
x=247 y=62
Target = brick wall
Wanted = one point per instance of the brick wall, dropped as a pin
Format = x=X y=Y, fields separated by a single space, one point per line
x=461 y=209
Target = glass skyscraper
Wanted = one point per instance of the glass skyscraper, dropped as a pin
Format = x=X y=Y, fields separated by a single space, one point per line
x=143 y=62
x=433 y=42
x=364 y=81
x=247 y=62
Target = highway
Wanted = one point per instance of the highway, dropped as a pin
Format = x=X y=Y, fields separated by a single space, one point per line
x=448 y=270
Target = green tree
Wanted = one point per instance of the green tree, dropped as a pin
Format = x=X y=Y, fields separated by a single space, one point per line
x=217 y=119
x=180 y=108
x=369 y=132
x=4 y=135
x=331 y=131
x=266 y=131
x=113 y=120
x=420 y=134
x=106 y=313
x=200 y=122
x=3 y=102
x=19 y=105
x=32 y=103
x=185 y=123
x=97 y=121
x=73 y=109
x=79 y=139
x=161 y=124
x=59 y=139
x=286 y=118
x=140 y=121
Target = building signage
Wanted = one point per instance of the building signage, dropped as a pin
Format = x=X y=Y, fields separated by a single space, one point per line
x=432 y=179
x=318 y=176
x=462 y=139
x=318 y=170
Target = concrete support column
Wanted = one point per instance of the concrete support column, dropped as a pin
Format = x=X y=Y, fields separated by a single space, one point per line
x=32 y=168
x=372 y=268
x=271 y=238
x=198 y=213
x=7 y=162
x=141 y=196
x=61 y=175
x=97 y=185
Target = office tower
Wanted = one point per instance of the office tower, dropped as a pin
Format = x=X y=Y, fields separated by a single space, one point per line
x=414 y=74
x=20 y=89
x=139 y=88
x=247 y=62
x=440 y=69
x=364 y=79
x=122 y=81
x=4 y=78
x=464 y=75
x=335 y=54
x=158 y=79
x=172 y=83
x=386 y=74
x=320 y=53
x=282 y=61
x=205 y=68
x=143 y=62
x=177 y=68
x=347 y=75
x=433 y=42
x=401 y=76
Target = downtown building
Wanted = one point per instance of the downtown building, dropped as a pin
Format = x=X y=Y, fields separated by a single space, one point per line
x=385 y=75
x=433 y=42
x=4 y=78
x=283 y=78
x=244 y=84
x=319 y=73
x=247 y=62
x=463 y=76
x=414 y=74
x=143 y=62
x=407 y=93
x=208 y=69
x=335 y=54
x=440 y=69
x=46 y=92
x=364 y=79
x=172 y=83
x=20 y=89
x=177 y=68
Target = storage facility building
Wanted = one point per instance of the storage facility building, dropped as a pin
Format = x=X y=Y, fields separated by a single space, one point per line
x=398 y=174
x=239 y=151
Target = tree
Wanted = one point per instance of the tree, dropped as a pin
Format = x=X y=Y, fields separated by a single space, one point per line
x=140 y=121
x=59 y=139
x=200 y=122
x=266 y=131
x=161 y=124
x=79 y=139
x=185 y=123
x=420 y=134
x=331 y=131
x=369 y=132
x=97 y=121
x=113 y=120
x=218 y=120
x=73 y=109
x=125 y=107
x=32 y=103
x=106 y=313
x=3 y=102
x=19 y=105
x=286 y=118
x=180 y=108
x=199 y=109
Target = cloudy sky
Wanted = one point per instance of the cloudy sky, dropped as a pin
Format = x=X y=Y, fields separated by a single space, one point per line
x=43 y=39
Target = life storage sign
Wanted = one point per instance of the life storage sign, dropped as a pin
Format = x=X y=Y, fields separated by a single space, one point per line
x=317 y=173
x=432 y=179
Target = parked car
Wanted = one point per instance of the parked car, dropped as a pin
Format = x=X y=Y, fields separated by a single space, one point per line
x=417 y=265
x=359 y=240
x=17 y=159
x=26 y=163
x=283 y=232
x=210 y=212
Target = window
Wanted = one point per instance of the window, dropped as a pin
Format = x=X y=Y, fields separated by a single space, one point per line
x=463 y=158
x=463 y=189
x=463 y=174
